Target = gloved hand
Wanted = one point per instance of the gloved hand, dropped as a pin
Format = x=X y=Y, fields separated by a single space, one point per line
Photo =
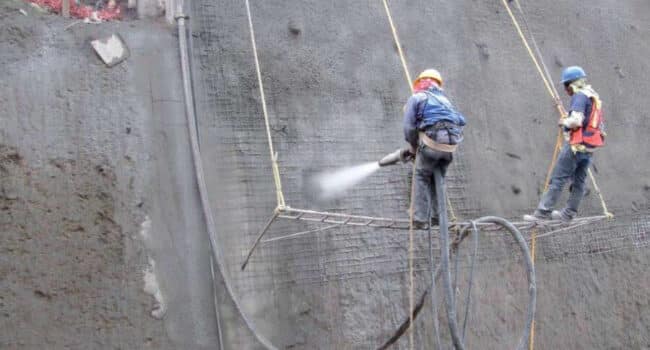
x=406 y=155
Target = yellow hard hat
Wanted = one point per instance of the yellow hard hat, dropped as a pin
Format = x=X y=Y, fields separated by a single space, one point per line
x=429 y=73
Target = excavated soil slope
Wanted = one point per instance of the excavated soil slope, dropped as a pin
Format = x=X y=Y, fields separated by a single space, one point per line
x=93 y=170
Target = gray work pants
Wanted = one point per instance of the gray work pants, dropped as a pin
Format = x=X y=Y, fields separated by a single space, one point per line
x=425 y=188
x=572 y=166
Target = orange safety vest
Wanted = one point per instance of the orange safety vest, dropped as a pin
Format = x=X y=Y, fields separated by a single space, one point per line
x=591 y=135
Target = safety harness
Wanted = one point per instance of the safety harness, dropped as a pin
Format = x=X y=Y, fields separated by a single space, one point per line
x=452 y=130
x=435 y=145
x=591 y=134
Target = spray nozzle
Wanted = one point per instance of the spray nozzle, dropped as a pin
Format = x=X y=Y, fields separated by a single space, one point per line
x=403 y=155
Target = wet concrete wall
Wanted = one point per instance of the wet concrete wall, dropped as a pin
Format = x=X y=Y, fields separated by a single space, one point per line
x=335 y=90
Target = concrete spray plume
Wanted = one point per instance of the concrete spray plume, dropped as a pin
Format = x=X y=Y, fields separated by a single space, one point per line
x=334 y=184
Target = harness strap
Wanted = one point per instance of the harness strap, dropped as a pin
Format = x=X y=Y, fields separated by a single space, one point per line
x=436 y=146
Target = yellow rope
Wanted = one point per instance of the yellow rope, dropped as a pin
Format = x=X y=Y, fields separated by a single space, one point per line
x=600 y=195
x=453 y=218
x=411 y=209
x=411 y=238
x=274 y=156
x=530 y=51
x=539 y=53
x=399 y=46
x=556 y=150
x=531 y=339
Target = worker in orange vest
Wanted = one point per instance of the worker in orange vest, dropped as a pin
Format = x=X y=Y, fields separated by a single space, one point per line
x=584 y=132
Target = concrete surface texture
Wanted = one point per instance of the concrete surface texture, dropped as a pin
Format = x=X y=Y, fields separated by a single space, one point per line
x=335 y=90
x=102 y=240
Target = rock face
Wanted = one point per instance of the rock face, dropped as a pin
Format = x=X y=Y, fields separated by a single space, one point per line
x=101 y=231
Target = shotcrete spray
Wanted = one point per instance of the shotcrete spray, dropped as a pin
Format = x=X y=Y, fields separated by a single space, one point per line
x=333 y=184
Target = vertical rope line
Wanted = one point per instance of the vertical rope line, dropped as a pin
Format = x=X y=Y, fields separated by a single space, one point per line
x=274 y=155
x=530 y=51
x=452 y=214
x=409 y=81
x=600 y=195
x=531 y=338
x=411 y=238
x=556 y=150
x=555 y=94
x=537 y=50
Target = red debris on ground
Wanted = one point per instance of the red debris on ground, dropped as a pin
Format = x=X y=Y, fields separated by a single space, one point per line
x=111 y=12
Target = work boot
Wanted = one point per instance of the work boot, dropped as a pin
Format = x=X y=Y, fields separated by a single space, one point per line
x=537 y=216
x=560 y=215
x=420 y=225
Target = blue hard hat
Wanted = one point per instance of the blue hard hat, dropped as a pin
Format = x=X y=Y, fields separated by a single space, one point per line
x=572 y=73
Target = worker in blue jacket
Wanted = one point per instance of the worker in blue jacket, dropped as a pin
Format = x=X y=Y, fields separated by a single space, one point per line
x=434 y=128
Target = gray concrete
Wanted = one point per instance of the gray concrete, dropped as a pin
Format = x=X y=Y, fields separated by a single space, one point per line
x=335 y=90
x=88 y=153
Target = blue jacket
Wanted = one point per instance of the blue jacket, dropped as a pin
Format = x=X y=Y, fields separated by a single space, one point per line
x=426 y=108
x=580 y=102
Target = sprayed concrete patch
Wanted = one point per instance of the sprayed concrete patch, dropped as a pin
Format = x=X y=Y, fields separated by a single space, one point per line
x=111 y=50
x=152 y=288
x=151 y=285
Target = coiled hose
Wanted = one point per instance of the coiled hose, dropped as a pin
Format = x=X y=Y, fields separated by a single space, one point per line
x=443 y=269
x=446 y=275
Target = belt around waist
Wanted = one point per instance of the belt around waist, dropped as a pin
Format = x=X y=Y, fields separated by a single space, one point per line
x=436 y=146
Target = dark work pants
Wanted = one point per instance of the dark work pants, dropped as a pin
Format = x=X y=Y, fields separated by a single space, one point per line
x=425 y=188
x=569 y=166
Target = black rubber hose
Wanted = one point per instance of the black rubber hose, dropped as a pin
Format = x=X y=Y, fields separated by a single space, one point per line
x=404 y=326
x=200 y=179
x=444 y=255
x=434 y=304
x=468 y=299
x=530 y=272
x=190 y=48
x=530 y=312
x=446 y=276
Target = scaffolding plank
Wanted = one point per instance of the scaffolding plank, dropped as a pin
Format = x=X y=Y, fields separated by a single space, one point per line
x=403 y=224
